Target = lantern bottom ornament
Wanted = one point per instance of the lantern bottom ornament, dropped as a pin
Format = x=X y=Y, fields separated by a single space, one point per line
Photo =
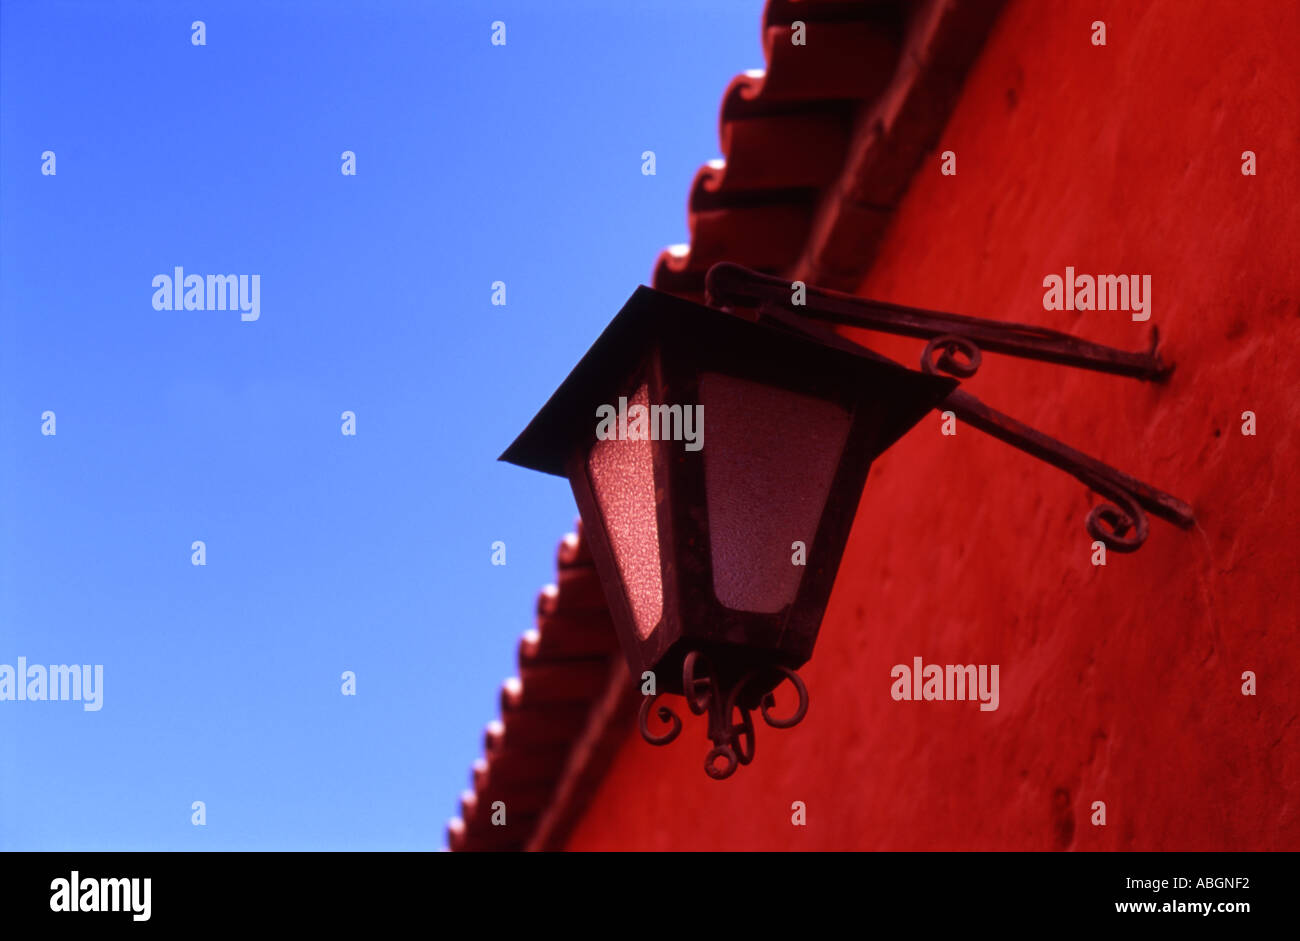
x=707 y=693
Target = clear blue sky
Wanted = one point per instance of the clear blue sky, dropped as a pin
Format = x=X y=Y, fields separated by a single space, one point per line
x=325 y=553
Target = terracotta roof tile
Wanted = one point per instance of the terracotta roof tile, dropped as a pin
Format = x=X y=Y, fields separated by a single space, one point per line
x=564 y=667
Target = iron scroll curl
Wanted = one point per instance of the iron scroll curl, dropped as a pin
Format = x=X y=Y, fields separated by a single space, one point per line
x=733 y=741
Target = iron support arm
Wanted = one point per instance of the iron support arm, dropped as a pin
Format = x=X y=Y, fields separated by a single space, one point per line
x=1120 y=524
x=732 y=284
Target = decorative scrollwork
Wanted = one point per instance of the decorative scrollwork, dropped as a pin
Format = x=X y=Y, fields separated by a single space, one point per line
x=739 y=735
x=698 y=682
x=800 y=711
x=665 y=715
x=1120 y=525
x=948 y=346
x=728 y=755
x=733 y=741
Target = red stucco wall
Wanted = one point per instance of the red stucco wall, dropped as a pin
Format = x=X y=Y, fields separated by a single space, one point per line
x=1123 y=683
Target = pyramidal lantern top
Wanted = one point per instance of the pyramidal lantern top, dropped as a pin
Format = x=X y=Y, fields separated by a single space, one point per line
x=717 y=462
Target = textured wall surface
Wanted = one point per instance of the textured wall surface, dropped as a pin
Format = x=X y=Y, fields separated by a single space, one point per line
x=1119 y=683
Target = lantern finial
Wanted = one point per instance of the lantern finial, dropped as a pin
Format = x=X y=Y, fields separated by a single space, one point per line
x=733 y=742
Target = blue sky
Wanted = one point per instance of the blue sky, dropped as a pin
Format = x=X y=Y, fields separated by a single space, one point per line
x=325 y=553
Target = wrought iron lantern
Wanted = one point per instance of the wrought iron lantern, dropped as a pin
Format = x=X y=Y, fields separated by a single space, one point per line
x=718 y=454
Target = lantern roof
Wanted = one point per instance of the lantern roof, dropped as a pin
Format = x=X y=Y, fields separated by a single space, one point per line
x=653 y=318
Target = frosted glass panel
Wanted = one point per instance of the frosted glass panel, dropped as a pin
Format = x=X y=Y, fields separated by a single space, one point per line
x=622 y=476
x=770 y=457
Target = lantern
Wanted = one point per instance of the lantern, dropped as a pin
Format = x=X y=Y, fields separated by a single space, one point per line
x=717 y=462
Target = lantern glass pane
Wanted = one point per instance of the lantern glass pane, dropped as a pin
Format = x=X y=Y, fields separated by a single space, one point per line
x=622 y=477
x=770 y=457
